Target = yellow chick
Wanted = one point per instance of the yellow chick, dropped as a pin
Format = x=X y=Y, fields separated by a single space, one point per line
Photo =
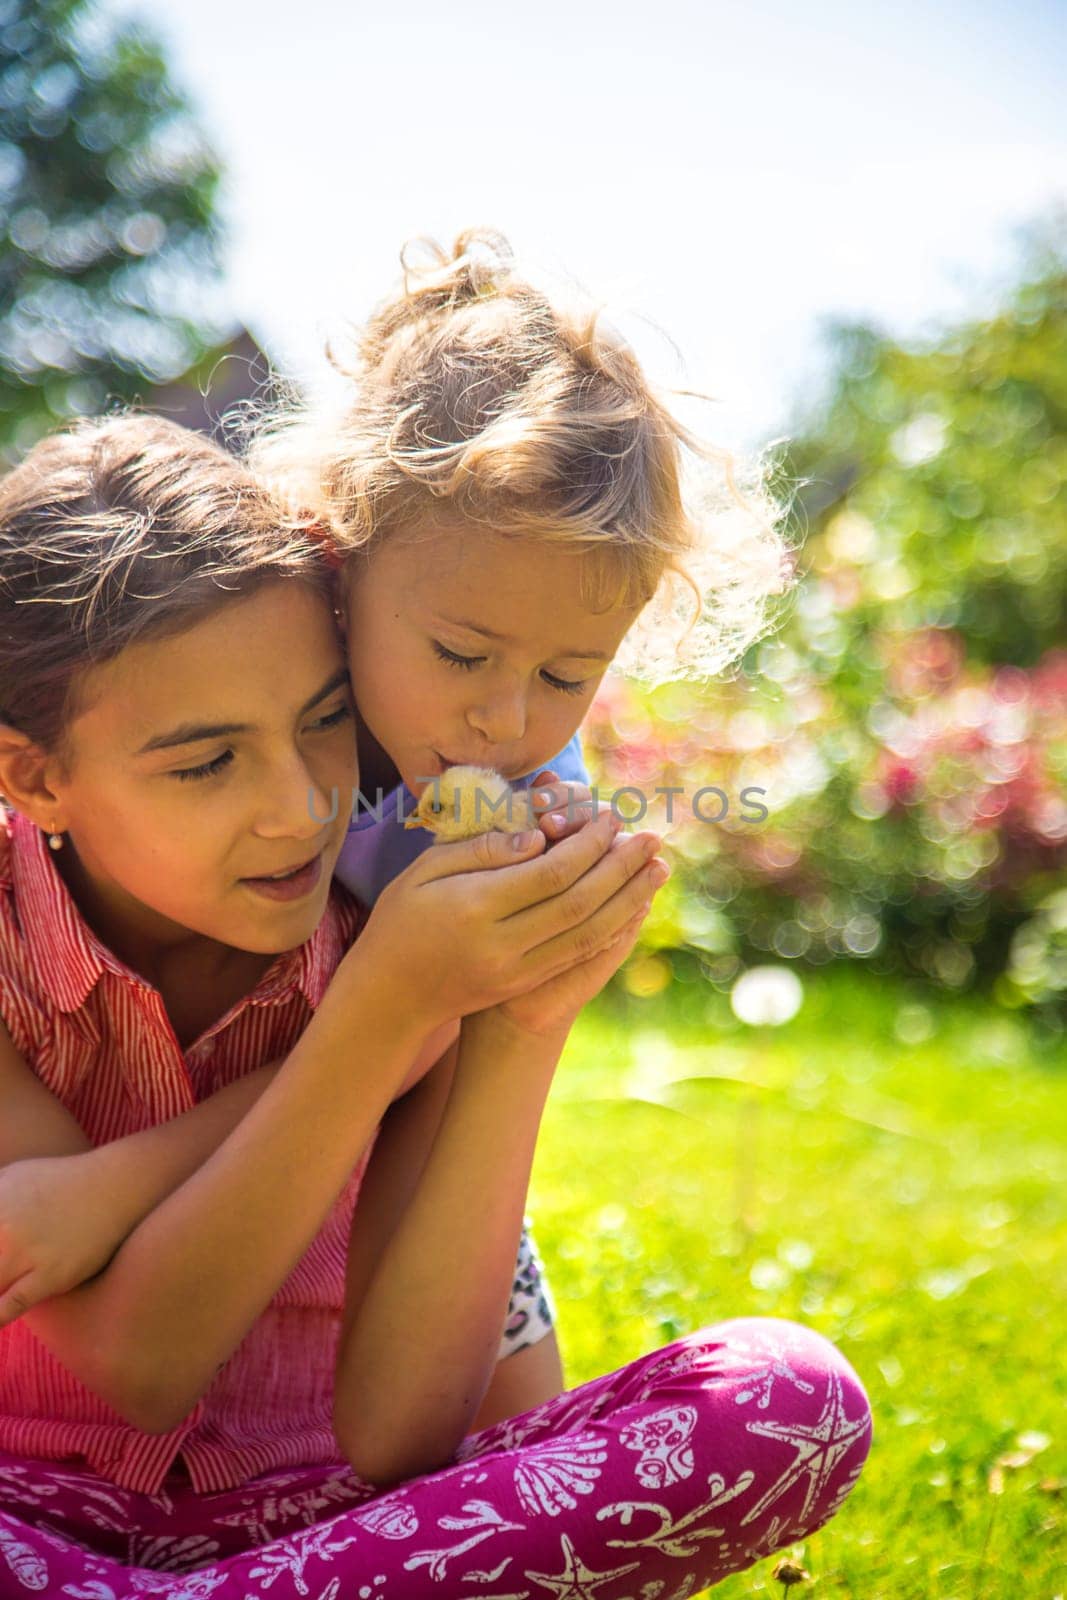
x=466 y=801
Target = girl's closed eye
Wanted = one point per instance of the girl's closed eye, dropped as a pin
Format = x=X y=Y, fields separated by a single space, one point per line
x=333 y=718
x=468 y=663
x=209 y=769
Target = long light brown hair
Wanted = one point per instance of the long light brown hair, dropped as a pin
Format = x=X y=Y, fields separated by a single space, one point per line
x=116 y=529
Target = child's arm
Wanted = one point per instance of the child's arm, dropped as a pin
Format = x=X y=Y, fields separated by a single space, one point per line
x=149 y=1332
x=37 y=1124
x=408 y=1387
x=34 y=1123
x=521 y=1379
x=65 y=1206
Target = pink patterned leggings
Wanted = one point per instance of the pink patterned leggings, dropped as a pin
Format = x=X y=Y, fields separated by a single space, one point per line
x=647 y=1484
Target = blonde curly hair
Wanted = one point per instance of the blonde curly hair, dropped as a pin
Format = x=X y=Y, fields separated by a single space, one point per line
x=474 y=395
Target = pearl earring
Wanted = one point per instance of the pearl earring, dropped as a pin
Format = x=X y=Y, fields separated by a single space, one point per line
x=55 y=840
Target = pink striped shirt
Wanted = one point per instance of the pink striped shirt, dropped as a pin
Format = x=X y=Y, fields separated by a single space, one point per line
x=97 y=1036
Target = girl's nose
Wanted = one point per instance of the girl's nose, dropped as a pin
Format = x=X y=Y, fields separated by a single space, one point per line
x=502 y=721
x=293 y=805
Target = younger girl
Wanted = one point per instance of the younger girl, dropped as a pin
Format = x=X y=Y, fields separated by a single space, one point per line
x=517 y=507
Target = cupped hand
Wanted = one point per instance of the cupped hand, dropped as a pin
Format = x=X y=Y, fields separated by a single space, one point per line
x=471 y=924
x=551 y=1007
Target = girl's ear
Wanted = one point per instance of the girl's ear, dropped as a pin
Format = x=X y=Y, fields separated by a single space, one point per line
x=25 y=775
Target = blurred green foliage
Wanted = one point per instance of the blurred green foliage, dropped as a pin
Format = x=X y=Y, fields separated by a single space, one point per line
x=953 y=458
x=107 y=234
x=907 y=725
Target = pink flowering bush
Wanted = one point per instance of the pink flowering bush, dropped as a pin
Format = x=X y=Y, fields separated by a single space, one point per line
x=885 y=779
x=920 y=835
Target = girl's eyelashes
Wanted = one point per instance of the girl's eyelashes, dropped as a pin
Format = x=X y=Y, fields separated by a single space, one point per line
x=342 y=714
x=208 y=769
x=467 y=663
x=564 y=685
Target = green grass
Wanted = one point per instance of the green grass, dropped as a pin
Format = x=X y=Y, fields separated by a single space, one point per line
x=891 y=1171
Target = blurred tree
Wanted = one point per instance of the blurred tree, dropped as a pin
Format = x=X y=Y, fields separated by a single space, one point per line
x=108 y=263
x=907 y=724
x=953 y=454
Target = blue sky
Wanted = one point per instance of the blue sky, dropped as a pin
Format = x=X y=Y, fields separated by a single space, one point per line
x=729 y=174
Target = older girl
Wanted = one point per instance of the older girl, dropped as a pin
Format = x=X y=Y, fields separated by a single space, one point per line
x=176 y=710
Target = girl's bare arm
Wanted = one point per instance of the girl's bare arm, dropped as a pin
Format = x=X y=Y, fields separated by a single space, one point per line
x=519 y=1381
x=149 y=1332
x=409 y=1387
x=138 y=1169
x=65 y=1207
x=123 y=1180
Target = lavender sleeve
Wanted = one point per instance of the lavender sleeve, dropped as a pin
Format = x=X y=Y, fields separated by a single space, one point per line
x=378 y=846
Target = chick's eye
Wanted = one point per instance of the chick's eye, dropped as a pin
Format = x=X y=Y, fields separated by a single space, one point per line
x=436 y=807
x=453 y=660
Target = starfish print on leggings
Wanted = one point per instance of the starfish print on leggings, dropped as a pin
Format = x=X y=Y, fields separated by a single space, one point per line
x=577 y=1581
x=819 y=1447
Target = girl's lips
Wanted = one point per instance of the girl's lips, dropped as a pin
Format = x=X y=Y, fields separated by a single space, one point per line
x=295 y=887
x=443 y=763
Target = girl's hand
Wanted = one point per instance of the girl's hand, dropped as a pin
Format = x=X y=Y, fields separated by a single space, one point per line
x=552 y=1007
x=471 y=924
x=561 y=808
x=56 y=1230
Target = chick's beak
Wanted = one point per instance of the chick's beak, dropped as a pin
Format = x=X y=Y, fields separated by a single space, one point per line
x=414 y=821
